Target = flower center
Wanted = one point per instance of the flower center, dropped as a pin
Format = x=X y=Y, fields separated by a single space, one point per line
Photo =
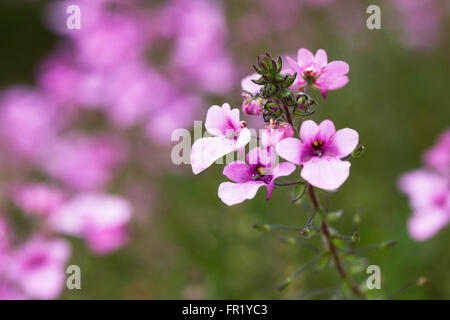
x=317 y=144
x=261 y=170
x=261 y=174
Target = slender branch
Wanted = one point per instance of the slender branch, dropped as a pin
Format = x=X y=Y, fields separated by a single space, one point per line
x=336 y=258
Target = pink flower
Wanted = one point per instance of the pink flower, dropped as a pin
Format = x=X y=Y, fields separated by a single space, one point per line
x=5 y=237
x=9 y=292
x=429 y=195
x=259 y=171
x=252 y=106
x=27 y=120
x=100 y=219
x=37 y=267
x=320 y=152
x=318 y=72
x=38 y=199
x=229 y=133
x=83 y=163
x=438 y=157
x=275 y=132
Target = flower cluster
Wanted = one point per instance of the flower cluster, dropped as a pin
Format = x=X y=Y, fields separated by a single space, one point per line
x=279 y=95
x=429 y=191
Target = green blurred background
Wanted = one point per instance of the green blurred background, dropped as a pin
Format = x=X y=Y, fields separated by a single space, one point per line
x=193 y=246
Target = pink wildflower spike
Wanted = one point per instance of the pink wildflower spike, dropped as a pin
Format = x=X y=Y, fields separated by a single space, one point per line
x=320 y=152
x=429 y=195
x=248 y=177
x=229 y=136
x=316 y=70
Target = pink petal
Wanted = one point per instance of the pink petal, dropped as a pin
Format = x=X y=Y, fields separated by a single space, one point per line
x=326 y=130
x=234 y=193
x=336 y=69
x=424 y=224
x=338 y=83
x=248 y=85
x=345 y=141
x=294 y=65
x=291 y=150
x=219 y=120
x=238 y=171
x=321 y=58
x=422 y=187
x=265 y=156
x=207 y=150
x=283 y=169
x=304 y=58
x=243 y=139
x=326 y=173
x=309 y=131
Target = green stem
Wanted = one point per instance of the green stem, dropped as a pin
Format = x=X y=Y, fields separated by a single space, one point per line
x=336 y=258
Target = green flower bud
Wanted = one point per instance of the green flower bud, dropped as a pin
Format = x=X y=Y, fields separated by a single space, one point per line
x=288 y=98
x=269 y=90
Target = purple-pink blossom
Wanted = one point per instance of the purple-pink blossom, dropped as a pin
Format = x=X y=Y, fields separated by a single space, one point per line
x=315 y=70
x=37 y=267
x=428 y=190
x=229 y=135
x=429 y=195
x=101 y=219
x=438 y=157
x=319 y=152
x=37 y=198
x=82 y=162
x=259 y=171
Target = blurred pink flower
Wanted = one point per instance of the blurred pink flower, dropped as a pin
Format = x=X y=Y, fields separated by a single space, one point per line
x=27 y=121
x=5 y=237
x=229 y=135
x=316 y=70
x=9 y=292
x=438 y=157
x=429 y=195
x=260 y=170
x=101 y=219
x=421 y=21
x=320 y=152
x=83 y=162
x=37 y=198
x=199 y=48
x=178 y=112
x=38 y=267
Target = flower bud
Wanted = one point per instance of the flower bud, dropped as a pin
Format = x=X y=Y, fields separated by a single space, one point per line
x=269 y=90
x=358 y=151
x=252 y=106
x=275 y=132
x=288 y=98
